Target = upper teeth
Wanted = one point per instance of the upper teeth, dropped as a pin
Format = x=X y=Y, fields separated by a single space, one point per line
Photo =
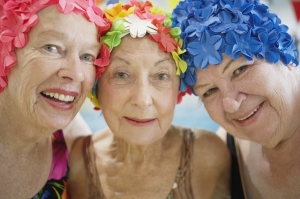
x=61 y=97
x=249 y=114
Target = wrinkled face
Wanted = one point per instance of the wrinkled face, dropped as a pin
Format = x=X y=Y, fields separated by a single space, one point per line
x=54 y=71
x=255 y=101
x=138 y=91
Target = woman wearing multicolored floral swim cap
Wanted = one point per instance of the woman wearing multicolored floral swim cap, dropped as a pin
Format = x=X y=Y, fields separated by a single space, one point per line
x=141 y=155
x=242 y=64
x=49 y=58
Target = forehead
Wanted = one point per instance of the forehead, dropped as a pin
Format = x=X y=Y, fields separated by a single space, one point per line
x=140 y=47
x=66 y=26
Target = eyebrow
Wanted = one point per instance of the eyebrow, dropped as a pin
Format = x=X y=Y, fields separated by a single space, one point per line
x=121 y=59
x=200 y=86
x=227 y=66
x=62 y=35
x=160 y=61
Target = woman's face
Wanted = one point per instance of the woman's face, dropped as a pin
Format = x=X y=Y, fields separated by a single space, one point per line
x=54 y=71
x=256 y=101
x=138 y=91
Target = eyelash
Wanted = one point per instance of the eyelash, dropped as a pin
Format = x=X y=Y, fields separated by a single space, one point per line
x=242 y=68
x=209 y=92
x=117 y=75
x=49 y=48
x=92 y=58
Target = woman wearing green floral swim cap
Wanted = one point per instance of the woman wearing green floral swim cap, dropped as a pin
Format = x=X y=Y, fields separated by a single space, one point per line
x=141 y=155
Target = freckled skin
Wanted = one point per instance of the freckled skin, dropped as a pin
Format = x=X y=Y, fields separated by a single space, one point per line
x=268 y=141
x=238 y=95
x=136 y=160
x=54 y=58
x=141 y=94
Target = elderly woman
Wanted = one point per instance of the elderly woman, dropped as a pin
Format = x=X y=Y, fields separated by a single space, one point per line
x=141 y=155
x=49 y=49
x=242 y=65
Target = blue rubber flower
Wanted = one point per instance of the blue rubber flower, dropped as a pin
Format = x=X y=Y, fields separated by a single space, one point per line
x=227 y=25
x=239 y=28
x=198 y=24
x=187 y=78
x=239 y=9
x=205 y=51
x=179 y=13
x=242 y=45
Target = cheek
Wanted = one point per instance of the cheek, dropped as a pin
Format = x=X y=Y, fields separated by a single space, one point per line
x=90 y=76
x=166 y=102
x=214 y=110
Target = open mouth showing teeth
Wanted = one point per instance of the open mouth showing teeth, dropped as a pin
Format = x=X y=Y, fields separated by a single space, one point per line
x=248 y=116
x=60 y=97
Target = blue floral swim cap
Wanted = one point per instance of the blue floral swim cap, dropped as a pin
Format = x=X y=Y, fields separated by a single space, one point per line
x=234 y=27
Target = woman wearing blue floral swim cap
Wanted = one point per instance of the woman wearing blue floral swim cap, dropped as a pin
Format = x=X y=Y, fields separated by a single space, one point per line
x=242 y=64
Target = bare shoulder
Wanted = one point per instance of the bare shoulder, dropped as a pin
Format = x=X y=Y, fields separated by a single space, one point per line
x=212 y=150
x=76 y=156
x=211 y=166
x=77 y=182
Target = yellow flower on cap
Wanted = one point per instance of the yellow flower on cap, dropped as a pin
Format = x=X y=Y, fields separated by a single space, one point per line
x=117 y=11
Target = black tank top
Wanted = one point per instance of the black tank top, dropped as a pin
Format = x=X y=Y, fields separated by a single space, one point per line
x=237 y=191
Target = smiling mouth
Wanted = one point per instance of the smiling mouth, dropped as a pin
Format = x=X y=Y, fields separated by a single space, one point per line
x=58 y=96
x=248 y=116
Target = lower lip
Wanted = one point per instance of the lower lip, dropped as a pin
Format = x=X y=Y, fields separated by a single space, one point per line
x=139 y=123
x=59 y=104
x=253 y=117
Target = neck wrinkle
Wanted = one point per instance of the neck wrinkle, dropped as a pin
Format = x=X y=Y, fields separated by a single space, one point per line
x=18 y=137
x=136 y=156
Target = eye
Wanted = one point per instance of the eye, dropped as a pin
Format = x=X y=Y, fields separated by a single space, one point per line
x=239 y=70
x=162 y=76
x=121 y=75
x=209 y=92
x=51 y=48
x=87 y=57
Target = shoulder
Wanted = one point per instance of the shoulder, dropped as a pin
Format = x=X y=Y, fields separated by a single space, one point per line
x=77 y=181
x=211 y=165
x=76 y=154
x=210 y=148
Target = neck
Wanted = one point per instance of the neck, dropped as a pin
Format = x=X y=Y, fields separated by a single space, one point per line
x=286 y=152
x=138 y=156
x=19 y=136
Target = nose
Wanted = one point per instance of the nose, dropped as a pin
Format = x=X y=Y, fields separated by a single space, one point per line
x=232 y=100
x=141 y=93
x=72 y=69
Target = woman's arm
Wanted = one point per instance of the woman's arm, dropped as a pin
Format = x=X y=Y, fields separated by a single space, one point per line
x=211 y=166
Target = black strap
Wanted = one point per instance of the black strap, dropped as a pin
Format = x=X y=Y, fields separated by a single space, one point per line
x=237 y=191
